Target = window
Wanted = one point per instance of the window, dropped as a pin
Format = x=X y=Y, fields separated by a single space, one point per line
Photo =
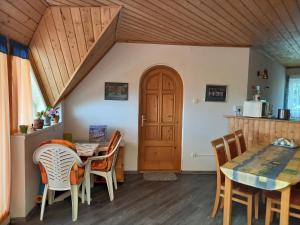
x=293 y=96
x=38 y=102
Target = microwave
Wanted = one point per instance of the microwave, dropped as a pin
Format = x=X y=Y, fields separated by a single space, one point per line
x=256 y=108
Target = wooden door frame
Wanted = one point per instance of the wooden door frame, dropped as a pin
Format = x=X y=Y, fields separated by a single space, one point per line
x=179 y=149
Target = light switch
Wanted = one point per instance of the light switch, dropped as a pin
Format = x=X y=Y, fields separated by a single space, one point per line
x=196 y=100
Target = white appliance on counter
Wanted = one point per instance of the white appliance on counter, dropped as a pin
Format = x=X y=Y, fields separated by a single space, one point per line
x=256 y=108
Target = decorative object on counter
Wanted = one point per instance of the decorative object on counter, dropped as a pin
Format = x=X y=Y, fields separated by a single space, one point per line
x=238 y=110
x=97 y=133
x=258 y=92
x=31 y=129
x=23 y=129
x=263 y=74
x=283 y=114
x=116 y=91
x=215 y=93
x=284 y=142
x=38 y=123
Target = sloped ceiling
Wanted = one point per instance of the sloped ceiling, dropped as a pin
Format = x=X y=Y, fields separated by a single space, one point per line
x=64 y=43
x=272 y=26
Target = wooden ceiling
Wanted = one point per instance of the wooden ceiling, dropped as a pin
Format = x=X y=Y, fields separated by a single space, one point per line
x=68 y=42
x=270 y=25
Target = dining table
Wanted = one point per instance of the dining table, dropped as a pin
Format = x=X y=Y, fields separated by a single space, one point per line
x=270 y=168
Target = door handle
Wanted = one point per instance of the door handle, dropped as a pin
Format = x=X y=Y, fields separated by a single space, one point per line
x=143 y=120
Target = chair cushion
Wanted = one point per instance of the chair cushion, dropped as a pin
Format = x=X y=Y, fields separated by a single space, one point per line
x=99 y=165
x=105 y=164
x=77 y=172
x=60 y=142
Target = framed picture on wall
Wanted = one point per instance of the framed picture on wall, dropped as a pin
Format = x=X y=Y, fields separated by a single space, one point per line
x=215 y=93
x=98 y=133
x=116 y=91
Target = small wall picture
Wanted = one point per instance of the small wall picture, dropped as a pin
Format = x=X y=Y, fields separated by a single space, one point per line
x=116 y=91
x=215 y=93
x=98 y=133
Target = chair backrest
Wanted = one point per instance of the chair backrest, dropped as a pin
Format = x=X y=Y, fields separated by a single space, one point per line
x=220 y=156
x=111 y=161
x=112 y=139
x=58 y=161
x=240 y=139
x=231 y=146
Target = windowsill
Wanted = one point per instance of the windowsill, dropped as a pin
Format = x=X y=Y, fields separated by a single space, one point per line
x=40 y=131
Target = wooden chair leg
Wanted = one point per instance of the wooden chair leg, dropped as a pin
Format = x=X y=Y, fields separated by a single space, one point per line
x=256 y=206
x=263 y=198
x=217 y=201
x=249 y=210
x=44 y=202
x=222 y=203
x=268 y=212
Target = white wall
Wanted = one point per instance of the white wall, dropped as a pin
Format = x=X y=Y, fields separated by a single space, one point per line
x=276 y=81
x=197 y=67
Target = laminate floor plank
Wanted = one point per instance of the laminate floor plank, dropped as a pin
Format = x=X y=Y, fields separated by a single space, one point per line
x=186 y=201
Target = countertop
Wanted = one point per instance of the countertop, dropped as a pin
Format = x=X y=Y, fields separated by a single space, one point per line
x=262 y=118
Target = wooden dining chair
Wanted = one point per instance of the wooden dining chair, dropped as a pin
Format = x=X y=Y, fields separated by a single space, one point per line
x=274 y=201
x=240 y=140
x=231 y=146
x=241 y=193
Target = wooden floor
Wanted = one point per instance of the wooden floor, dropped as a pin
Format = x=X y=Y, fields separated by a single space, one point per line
x=187 y=201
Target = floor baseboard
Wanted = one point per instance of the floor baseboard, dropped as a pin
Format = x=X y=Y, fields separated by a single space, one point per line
x=182 y=172
x=24 y=219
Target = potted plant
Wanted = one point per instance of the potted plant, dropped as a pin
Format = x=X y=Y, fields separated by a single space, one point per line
x=38 y=123
x=47 y=117
x=53 y=112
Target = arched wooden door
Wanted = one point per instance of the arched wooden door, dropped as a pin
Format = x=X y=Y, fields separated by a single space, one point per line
x=160 y=120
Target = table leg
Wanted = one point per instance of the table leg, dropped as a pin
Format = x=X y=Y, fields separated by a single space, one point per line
x=227 y=202
x=285 y=206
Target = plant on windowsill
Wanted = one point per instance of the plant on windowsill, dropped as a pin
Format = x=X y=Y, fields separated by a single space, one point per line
x=47 y=116
x=53 y=112
x=38 y=123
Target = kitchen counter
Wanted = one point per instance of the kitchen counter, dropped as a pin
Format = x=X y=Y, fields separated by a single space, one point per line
x=264 y=130
x=261 y=118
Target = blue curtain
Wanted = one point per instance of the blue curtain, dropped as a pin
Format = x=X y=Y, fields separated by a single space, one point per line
x=18 y=49
x=3 y=44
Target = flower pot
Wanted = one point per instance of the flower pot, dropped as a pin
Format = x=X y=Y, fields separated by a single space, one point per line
x=38 y=123
x=47 y=121
x=23 y=129
x=55 y=119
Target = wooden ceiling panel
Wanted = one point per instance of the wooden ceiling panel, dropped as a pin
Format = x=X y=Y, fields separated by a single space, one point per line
x=63 y=42
x=272 y=25
x=20 y=18
x=62 y=38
